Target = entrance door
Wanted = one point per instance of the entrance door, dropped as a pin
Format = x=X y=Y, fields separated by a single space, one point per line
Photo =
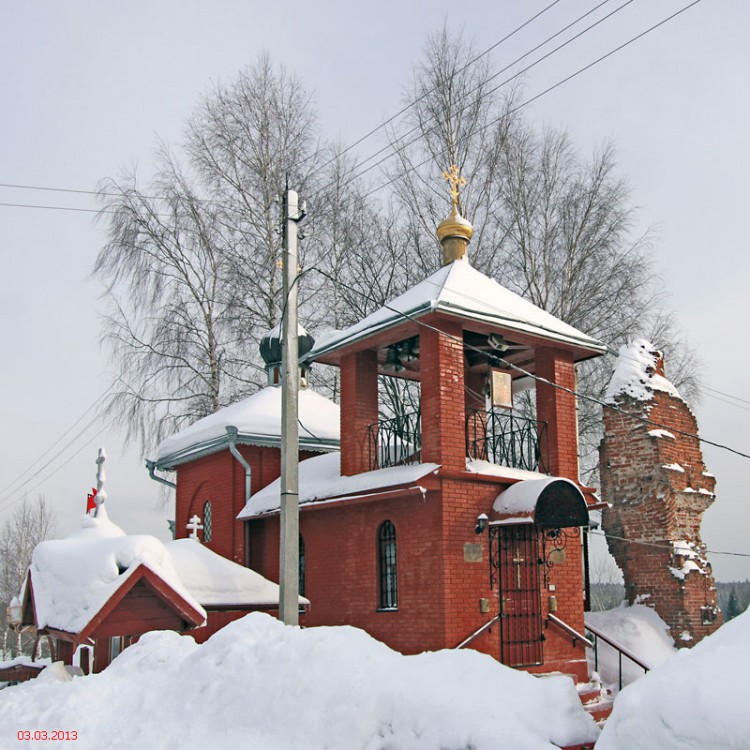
x=516 y=558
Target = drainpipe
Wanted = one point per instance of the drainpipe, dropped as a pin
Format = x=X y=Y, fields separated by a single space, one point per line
x=232 y=432
x=151 y=465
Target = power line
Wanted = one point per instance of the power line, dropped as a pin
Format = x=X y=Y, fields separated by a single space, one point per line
x=662 y=546
x=80 y=433
x=471 y=62
x=540 y=379
x=57 y=208
x=533 y=98
x=20 y=186
x=96 y=401
x=56 y=470
x=401 y=145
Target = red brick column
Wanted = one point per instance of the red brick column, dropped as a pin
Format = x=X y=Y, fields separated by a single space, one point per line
x=442 y=400
x=558 y=409
x=359 y=409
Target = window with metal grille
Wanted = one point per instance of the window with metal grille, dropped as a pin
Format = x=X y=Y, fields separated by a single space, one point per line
x=387 y=566
x=301 y=566
x=207 y=521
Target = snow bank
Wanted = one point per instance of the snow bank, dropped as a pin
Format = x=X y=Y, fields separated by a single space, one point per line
x=260 y=684
x=641 y=631
x=634 y=374
x=696 y=700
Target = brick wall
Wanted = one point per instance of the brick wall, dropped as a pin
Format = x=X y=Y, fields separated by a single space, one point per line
x=220 y=478
x=442 y=402
x=659 y=489
x=342 y=578
x=439 y=585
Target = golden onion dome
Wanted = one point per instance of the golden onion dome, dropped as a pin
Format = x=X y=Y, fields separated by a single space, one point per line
x=455 y=226
x=455 y=232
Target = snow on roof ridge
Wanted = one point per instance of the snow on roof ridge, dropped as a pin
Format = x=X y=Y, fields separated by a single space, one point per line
x=458 y=287
x=635 y=373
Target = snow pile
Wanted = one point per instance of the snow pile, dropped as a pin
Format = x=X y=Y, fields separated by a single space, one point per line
x=259 y=684
x=697 y=700
x=72 y=578
x=635 y=374
x=641 y=631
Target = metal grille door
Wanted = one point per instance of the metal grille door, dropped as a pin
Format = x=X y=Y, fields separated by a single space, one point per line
x=515 y=556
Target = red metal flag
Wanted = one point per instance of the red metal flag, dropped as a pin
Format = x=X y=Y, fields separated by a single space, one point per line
x=90 y=502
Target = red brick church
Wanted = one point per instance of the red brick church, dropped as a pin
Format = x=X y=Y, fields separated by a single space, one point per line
x=458 y=524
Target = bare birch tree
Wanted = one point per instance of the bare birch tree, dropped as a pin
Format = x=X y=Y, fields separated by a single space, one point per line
x=191 y=262
x=551 y=225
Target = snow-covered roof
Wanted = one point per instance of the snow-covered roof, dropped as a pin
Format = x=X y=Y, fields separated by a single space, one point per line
x=458 y=289
x=258 y=422
x=320 y=479
x=635 y=373
x=73 y=578
x=215 y=581
x=527 y=502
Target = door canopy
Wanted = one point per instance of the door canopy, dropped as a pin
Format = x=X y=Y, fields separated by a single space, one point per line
x=550 y=502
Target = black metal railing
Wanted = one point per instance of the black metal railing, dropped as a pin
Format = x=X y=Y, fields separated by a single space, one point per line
x=506 y=439
x=396 y=441
x=622 y=651
x=593 y=644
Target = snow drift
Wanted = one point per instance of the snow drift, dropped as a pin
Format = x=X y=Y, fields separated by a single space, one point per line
x=260 y=685
x=698 y=700
x=640 y=630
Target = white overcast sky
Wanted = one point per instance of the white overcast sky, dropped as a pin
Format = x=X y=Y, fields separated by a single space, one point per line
x=88 y=87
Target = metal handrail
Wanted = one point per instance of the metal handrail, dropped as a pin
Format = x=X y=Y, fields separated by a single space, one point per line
x=594 y=645
x=570 y=631
x=621 y=651
x=479 y=632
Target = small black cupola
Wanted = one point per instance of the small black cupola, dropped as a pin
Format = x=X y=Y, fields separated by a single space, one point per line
x=270 y=350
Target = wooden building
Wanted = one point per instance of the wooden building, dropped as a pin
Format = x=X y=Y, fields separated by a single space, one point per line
x=101 y=589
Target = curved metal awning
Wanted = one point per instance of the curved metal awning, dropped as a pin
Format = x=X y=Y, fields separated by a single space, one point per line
x=551 y=502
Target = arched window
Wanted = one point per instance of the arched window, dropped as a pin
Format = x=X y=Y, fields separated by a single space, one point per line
x=301 y=566
x=207 y=521
x=387 y=566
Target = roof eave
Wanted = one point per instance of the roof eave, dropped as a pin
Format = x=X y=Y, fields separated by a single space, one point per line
x=214 y=445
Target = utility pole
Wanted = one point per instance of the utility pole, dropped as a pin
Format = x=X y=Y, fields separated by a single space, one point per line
x=289 y=548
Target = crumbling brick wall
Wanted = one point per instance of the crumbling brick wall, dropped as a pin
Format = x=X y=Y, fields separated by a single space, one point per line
x=657 y=485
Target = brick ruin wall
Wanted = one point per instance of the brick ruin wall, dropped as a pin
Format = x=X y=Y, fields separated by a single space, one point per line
x=658 y=488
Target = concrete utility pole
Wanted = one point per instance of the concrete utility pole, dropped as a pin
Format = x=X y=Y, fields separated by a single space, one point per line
x=289 y=549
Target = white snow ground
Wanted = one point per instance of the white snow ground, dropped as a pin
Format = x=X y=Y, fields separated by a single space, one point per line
x=695 y=701
x=260 y=685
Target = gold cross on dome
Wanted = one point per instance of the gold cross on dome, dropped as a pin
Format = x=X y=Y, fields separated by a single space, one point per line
x=452 y=176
